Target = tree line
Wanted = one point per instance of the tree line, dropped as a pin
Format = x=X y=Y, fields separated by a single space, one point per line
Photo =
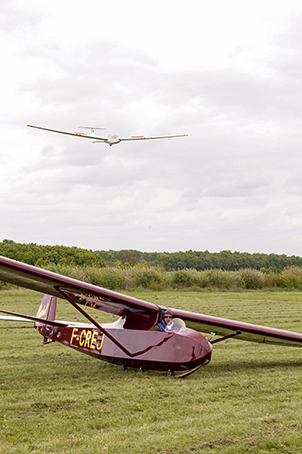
x=42 y=256
x=202 y=260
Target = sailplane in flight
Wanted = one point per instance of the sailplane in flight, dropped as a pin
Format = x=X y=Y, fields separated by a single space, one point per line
x=110 y=139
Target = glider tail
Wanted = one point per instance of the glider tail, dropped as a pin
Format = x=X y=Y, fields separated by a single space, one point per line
x=92 y=131
x=47 y=309
x=47 y=312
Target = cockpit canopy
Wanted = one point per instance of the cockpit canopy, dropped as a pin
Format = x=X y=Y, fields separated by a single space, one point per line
x=179 y=322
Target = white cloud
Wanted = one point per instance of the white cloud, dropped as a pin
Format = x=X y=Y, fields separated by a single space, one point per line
x=198 y=68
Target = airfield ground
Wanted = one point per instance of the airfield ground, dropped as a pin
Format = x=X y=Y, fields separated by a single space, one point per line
x=247 y=400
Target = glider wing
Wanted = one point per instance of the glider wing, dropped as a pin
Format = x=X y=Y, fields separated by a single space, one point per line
x=76 y=134
x=149 y=138
x=138 y=314
x=238 y=330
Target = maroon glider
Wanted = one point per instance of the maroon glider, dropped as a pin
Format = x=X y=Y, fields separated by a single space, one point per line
x=130 y=341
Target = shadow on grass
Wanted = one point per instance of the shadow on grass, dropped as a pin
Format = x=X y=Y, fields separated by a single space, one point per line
x=210 y=370
x=261 y=365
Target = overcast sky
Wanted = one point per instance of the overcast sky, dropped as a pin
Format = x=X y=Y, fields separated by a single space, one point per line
x=229 y=74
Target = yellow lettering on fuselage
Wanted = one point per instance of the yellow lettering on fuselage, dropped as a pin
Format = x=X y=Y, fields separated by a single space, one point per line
x=73 y=334
x=93 y=339
x=82 y=338
x=83 y=297
x=86 y=338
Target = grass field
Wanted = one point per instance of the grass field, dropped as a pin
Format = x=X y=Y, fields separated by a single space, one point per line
x=247 y=400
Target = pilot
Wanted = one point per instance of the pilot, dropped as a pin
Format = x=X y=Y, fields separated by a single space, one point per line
x=166 y=323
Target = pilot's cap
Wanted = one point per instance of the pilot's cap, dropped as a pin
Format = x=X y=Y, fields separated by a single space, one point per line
x=167 y=311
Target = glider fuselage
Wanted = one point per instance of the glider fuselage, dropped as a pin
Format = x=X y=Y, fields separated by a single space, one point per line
x=178 y=350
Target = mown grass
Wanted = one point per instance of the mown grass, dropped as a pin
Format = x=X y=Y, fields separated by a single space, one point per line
x=247 y=400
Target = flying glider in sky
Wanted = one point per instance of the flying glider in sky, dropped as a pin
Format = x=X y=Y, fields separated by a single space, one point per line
x=130 y=341
x=110 y=139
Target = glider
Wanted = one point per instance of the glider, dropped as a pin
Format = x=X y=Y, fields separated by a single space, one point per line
x=130 y=341
x=110 y=139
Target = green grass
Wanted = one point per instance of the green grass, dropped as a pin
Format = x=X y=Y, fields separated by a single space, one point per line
x=247 y=400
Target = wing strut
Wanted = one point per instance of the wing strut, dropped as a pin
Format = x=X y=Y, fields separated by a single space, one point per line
x=224 y=338
x=103 y=330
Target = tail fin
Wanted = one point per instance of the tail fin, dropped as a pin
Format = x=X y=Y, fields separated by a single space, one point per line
x=47 y=309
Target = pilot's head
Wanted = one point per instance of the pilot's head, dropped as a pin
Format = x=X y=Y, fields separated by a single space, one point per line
x=168 y=316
